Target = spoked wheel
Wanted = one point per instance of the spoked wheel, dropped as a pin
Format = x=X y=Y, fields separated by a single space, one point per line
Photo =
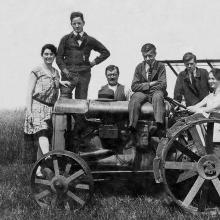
x=190 y=164
x=61 y=179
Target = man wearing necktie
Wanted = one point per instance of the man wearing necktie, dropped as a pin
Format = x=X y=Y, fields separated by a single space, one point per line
x=149 y=85
x=192 y=83
x=73 y=58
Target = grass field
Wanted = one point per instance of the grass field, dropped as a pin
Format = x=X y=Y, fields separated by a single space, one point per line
x=11 y=135
x=114 y=200
x=109 y=202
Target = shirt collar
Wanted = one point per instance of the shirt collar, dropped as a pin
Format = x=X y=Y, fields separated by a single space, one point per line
x=81 y=33
x=196 y=73
x=152 y=65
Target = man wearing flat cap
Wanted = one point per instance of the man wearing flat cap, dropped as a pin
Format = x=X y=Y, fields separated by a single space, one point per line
x=149 y=85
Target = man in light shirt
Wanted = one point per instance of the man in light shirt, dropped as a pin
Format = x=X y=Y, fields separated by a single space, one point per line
x=192 y=83
x=121 y=92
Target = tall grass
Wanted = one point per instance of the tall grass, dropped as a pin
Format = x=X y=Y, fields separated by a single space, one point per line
x=11 y=135
x=110 y=201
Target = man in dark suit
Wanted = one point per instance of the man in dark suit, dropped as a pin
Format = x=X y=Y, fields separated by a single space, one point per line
x=73 y=58
x=192 y=83
x=149 y=85
x=121 y=93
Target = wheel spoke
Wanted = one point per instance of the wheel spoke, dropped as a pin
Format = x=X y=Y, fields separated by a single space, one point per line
x=43 y=182
x=180 y=165
x=82 y=186
x=76 y=198
x=193 y=191
x=56 y=168
x=197 y=135
x=216 y=183
x=42 y=194
x=186 y=175
x=186 y=151
x=75 y=175
x=203 y=196
x=209 y=137
x=67 y=169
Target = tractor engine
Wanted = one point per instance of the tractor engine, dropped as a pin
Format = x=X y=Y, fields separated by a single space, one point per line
x=113 y=129
x=108 y=121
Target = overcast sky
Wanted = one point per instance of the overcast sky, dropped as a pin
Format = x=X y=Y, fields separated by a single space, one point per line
x=123 y=26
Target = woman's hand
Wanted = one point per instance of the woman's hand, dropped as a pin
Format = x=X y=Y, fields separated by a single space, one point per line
x=196 y=109
x=192 y=108
x=65 y=83
x=203 y=111
x=200 y=110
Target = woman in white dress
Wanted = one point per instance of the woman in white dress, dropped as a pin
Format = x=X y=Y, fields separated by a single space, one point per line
x=210 y=103
x=43 y=90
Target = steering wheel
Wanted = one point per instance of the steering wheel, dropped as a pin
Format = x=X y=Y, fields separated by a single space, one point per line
x=175 y=103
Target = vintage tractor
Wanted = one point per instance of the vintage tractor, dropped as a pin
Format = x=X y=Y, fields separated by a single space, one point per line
x=186 y=160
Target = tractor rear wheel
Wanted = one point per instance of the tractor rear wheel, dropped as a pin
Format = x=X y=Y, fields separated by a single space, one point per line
x=190 y=163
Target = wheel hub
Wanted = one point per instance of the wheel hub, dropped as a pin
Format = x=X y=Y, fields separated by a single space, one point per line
x=209 y=167
x=59 y=184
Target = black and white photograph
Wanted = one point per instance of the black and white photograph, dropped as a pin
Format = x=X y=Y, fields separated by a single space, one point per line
x=110 y=109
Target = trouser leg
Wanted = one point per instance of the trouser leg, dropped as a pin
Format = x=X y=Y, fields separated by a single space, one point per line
x=134 y=106
x=81 y=91
x=66 y=92
x=158 y=106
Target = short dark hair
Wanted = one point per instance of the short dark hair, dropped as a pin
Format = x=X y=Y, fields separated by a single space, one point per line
x=216 y=73
x=148 y=47
x=76 y=14
x=50 y=47
x=189 y=56
x=111 y=68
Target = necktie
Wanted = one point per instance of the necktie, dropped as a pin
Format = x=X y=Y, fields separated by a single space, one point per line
x=149 y=74
x=192 y=79
x=194 y=82
x=78 y=37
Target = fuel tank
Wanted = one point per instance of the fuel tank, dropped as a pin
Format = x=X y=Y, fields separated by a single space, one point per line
x=80 y=106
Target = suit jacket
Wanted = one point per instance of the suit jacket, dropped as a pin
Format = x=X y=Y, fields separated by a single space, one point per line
x=140 y=82
x=75 y=57
x=185 y=88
